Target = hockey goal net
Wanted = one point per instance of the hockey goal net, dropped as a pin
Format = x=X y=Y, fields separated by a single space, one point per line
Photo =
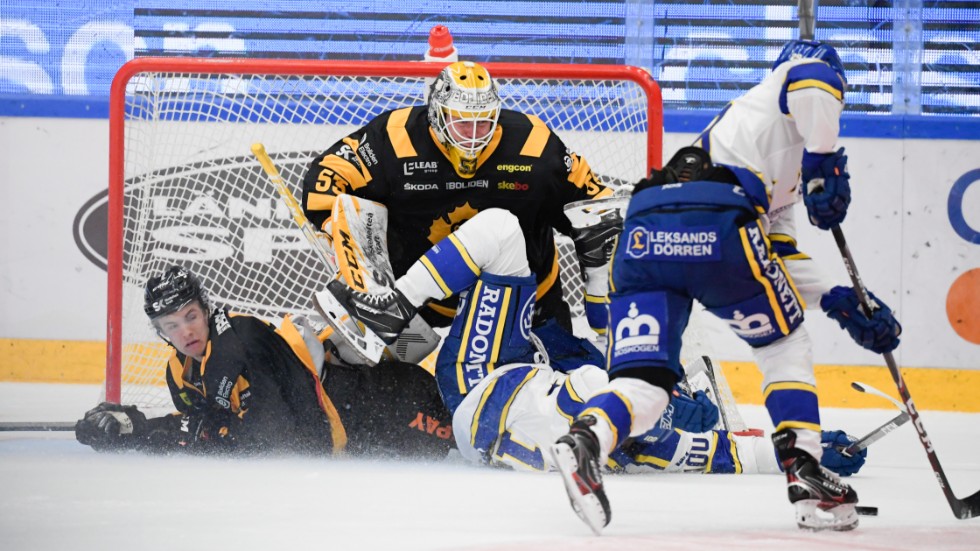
x=185 y=189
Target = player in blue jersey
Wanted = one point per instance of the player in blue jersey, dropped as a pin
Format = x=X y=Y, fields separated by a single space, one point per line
x=510 y=401
x=695 y=231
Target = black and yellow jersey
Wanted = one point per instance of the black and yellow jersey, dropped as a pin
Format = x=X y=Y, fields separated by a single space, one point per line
x=264 y=379
x=395 y=160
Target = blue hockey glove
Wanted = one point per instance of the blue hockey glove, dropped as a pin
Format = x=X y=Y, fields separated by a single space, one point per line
x=834 y=441
x=695 y=413
x=879 y=333
x=826 y=188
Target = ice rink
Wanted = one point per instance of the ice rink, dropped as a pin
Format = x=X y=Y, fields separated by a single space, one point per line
x=56 y=494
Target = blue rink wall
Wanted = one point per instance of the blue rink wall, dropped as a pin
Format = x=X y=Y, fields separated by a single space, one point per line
x=911 y=130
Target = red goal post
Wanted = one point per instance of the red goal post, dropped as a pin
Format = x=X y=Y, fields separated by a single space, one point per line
x=182 y=185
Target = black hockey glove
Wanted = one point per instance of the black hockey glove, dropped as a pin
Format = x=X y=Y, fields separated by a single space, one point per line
x=879 y=333
x=826 y=188
x=110 y=427
x=594 y=245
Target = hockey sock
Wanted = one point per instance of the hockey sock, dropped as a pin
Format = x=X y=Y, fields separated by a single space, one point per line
x=626 y=407
x=492 y=241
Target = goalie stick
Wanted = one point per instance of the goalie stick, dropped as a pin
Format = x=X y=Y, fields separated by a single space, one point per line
x=417 y=341
x=365 y=343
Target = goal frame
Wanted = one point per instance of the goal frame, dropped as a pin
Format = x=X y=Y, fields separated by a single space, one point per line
x=293 y=67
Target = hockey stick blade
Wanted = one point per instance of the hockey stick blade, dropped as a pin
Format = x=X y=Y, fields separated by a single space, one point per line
x=866 y=388
x=968 y=507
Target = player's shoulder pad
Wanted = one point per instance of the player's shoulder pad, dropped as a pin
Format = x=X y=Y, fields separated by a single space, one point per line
x=811 y=74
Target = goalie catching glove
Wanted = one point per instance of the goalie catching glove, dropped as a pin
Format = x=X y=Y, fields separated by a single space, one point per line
x=826 y=188
x=878 y=333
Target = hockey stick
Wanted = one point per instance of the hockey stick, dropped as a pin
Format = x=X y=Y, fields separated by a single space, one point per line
x=37 y=426
x=418 y=339
x=294 y=209
x=366 y=344
x=881 y=431
x=962 y=508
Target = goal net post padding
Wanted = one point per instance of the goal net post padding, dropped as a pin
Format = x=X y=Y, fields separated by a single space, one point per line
x=184 y=187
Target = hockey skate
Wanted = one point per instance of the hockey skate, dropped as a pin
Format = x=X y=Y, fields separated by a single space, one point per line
x=383 y=314
x=577 y=457
x=822 y=501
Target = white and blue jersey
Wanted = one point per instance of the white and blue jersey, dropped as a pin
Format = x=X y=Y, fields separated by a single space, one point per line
x=796 y=107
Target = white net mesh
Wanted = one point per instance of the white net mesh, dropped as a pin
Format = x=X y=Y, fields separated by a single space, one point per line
x=194 y=194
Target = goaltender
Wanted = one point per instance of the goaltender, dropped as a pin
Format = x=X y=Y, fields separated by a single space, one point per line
x=436 y=166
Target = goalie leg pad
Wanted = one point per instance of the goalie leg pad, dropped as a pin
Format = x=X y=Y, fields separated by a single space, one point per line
x=360 y=238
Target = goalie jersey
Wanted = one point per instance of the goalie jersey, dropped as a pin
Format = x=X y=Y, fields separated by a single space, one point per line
x=395 y=160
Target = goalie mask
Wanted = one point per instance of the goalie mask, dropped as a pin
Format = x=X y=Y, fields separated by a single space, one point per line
x=170 y=292
x=463 y=109
x=800 y=49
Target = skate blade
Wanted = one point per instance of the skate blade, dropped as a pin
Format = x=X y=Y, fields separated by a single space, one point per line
x=365 y=343
x=586 y=506
x=840 y=518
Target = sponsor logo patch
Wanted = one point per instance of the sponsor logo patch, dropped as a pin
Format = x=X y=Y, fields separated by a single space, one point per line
x=688 y=244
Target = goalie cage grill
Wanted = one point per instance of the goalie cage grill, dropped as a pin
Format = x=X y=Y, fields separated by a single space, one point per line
x=184 y=187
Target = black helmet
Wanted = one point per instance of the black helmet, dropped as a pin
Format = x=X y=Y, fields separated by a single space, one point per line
x=176 y=288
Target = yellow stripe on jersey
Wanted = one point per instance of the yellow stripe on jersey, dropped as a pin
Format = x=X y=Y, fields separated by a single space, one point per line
x=652 y=460
x=461 y=356
x=787 y=385
x=504 y=411
x=501 y=322
x=711 y=451
x=536 y=139
x=798 y=425
x=734 y=451
x=446 y=291
x=400 y=140
x=465 y=254
x=789 y=279
x=757 y=273
x=475 y=422
x=333 y=166
x=814 y=83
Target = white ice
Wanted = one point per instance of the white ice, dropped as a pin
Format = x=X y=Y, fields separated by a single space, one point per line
x=56 y=494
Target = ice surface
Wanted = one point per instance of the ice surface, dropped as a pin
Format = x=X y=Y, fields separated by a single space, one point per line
x=58 y=495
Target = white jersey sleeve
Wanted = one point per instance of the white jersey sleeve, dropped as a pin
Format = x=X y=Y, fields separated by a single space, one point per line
x=765 y=130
